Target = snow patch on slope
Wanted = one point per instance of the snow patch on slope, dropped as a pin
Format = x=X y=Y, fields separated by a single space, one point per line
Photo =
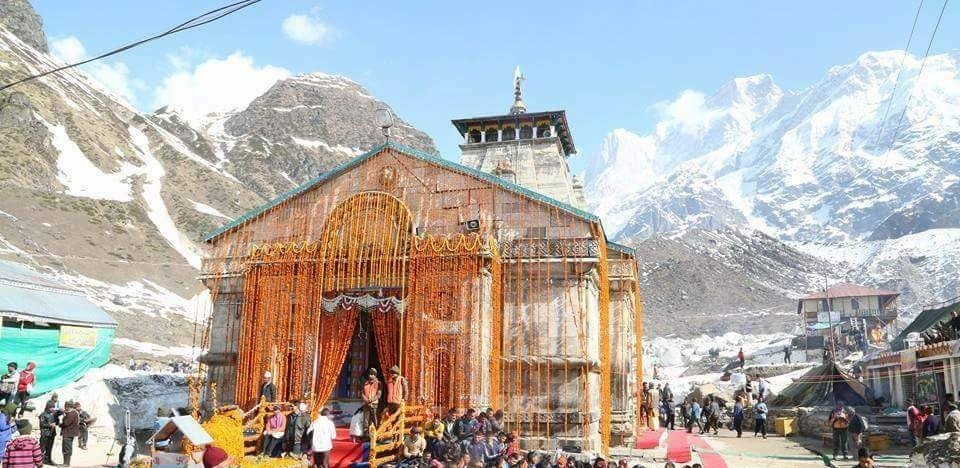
x=322 y=144
x=156 y=208
x=207 y=209
x=80 y=176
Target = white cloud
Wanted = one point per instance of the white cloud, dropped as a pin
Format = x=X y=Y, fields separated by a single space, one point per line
x=216 y=85
x=68 y=49
x=688 y=111
x=307 y=29
x=114 y=77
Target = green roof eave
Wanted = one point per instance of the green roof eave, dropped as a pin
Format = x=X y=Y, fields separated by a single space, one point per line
x=622 y=249
x=431 y=158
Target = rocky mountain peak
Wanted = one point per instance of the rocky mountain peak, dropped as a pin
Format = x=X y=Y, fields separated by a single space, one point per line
x=19 y=17
x=319 y=110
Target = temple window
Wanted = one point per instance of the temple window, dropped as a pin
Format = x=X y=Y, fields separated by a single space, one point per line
x=543 y=131
x=526 y=132
x=509 y=134
x=491 y=134
x=474 y=136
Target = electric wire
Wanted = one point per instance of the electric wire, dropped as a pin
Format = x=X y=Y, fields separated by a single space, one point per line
x=896 y=82
x=896 y=130
x=194 y=22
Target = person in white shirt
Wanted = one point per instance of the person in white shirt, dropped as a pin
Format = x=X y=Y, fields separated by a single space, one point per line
x=323 y=431
x=8 y=383
x=356 y=425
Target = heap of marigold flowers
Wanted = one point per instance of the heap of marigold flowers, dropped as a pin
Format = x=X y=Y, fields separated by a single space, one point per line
x=226 y=429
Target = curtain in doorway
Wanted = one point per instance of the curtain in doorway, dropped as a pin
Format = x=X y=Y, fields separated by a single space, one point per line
x=386 y=329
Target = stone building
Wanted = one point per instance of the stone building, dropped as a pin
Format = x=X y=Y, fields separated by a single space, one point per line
x=485 y=282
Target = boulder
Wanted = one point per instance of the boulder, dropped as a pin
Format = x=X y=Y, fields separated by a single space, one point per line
x=939 y=451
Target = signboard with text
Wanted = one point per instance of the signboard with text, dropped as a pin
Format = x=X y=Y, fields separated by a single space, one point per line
x=78 y=337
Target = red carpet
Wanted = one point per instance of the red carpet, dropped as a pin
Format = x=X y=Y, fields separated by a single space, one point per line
x=678 y=447
x=708 y=458
x=344 y=450
x=649 y=439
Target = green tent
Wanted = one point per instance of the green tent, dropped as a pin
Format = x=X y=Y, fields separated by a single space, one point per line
x=52 y=325
x=825 y=385
x=926 y=319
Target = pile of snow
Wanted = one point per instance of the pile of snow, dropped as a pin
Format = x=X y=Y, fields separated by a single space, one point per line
x=107 y=392
x=671 y=352
x=673 y=356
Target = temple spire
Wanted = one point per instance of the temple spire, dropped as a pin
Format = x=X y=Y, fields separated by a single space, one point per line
x=518 y=106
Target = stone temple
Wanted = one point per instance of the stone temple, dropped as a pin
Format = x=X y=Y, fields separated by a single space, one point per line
x=486 y=282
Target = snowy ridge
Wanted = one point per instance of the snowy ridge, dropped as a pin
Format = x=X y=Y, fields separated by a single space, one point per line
x=818 y=168
x=802 y=165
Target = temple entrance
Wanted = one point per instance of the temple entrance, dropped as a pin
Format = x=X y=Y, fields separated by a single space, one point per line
x=367 y=294
x=361 y=356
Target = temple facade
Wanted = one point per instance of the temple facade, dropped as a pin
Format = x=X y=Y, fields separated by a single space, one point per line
x=485 y=282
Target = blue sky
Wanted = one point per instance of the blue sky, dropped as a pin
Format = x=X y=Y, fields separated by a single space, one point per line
x=607 y=63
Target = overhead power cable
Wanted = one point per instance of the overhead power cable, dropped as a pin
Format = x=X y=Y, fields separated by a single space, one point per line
x=896 y=130
x=896 y=82
x=194 y=22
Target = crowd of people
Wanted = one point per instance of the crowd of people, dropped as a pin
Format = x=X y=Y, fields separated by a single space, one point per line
x=925 y=421
x=18 y=447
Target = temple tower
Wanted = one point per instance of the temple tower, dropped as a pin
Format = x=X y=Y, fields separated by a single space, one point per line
x=529 y=149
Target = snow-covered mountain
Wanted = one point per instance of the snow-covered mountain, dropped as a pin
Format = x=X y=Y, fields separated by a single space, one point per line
x=831 y=169
x=114 y=201
x=819 y=164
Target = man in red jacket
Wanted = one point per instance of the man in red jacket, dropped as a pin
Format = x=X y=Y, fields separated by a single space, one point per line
x=25 y=386
x=23 y=451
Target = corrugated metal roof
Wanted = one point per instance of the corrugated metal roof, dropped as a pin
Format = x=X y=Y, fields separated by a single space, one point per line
x=27 y=295
x=849 y=290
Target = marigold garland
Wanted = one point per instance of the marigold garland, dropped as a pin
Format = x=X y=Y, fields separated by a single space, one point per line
x=512 y=327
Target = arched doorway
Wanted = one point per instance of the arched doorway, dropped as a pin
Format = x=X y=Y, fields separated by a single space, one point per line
x=364 y=253
x=303 y=299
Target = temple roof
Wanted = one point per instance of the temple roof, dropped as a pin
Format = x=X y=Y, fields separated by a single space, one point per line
x=558 y=118
x=430 y=158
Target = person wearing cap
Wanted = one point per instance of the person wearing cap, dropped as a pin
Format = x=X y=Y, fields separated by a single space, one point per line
x=48 y=432
x=85 y=422
x=23 y=451
x=397 y=390
x=216 y=457
x=273 y=432
x=414 y=444
x=69 y=430
x=268 y=391
x=370 y=394
x=322 y=433
x=25 y=386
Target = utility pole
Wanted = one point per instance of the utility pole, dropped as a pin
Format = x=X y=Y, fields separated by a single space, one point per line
x=826 y=294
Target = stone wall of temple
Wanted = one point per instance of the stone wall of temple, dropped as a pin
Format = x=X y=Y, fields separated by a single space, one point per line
x=537 y=164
